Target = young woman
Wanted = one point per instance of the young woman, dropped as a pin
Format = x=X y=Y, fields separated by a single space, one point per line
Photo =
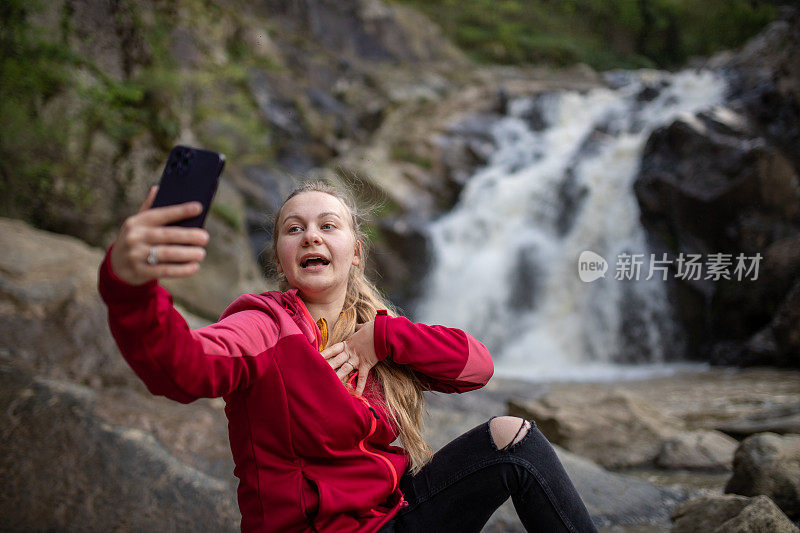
x=320 y=379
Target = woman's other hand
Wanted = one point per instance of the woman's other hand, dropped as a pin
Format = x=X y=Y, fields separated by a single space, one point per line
x=146 y=248
x=357 y=352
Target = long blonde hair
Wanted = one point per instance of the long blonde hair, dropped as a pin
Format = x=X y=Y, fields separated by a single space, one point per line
x=402 y=389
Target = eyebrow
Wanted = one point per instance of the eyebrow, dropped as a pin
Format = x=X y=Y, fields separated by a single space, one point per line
x=321 y=215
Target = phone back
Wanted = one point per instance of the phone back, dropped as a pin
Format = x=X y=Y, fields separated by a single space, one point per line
x=191 y=174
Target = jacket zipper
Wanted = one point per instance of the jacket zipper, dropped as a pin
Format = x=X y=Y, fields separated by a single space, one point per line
x=373 y=419
x=362 y=446
x=309 y=319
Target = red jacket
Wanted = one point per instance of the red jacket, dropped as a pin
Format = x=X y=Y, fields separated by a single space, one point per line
x=308 y=453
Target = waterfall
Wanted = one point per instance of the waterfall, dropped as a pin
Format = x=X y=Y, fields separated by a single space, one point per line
x=505 y=259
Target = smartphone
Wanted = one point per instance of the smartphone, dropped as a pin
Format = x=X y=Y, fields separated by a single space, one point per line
x=191 y=174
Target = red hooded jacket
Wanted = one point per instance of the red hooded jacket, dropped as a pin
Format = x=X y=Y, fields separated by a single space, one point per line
x=309 y=454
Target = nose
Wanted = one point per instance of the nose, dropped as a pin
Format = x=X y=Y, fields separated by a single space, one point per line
x=311 y=236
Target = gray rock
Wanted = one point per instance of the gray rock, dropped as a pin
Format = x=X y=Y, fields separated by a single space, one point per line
x=51 y=317
x=618 y=500
x=612 y=499
x=769 y=464
x=65 y=469
x=697 y=450
x=781 y=419
x=726 y=514
x=371 y=30
x=616 y=429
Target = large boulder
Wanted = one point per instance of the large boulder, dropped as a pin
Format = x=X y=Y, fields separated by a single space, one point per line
x=709 y=185
x=728 y=181
x=769 y=464
x=617 y=429
x=727 y=514
x=65 y=468
x=51 y=316
x=697 y=450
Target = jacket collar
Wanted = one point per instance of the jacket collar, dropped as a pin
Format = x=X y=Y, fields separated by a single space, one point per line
x=294 y=306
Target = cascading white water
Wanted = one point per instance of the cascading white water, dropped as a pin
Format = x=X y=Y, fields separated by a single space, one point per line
x=505 y=262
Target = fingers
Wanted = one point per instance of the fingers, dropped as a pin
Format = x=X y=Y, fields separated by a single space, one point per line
x=177 y=254
x=161 y=216
x=337 y=361
x=342 y=360
x=333 y=350
x=175 y=235
x=148 y=201
x=361 y=384
x=174 y=270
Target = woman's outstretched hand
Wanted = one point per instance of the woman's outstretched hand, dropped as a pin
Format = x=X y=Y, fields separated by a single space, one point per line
x=357 y=352
x=146 y=248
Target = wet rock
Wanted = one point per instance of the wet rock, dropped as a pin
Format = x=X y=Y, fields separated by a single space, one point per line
x=402 y=257
x=728 y=181
x=697 y=450
x=769 y=464
x=62 y=465
x=617 y=429
x=465 y=146
x=724 y=514
x=707 y=188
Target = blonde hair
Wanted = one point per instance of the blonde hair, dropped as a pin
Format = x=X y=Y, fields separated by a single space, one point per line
x=402 y=389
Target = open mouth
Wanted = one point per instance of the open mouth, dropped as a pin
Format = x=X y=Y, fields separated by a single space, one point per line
x=314 y=261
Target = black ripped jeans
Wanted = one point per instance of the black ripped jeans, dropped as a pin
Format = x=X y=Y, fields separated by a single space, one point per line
x=467 y=480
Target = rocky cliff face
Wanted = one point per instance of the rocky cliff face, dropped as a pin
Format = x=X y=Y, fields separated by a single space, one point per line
x=728 y=182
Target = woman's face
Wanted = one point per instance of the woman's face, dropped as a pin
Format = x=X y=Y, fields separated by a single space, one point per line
x=315 y=245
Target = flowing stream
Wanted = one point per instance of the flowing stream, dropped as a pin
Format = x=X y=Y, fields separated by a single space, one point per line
x=560 y=182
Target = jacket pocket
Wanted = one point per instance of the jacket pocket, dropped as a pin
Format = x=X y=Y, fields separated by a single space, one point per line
x=309 y=496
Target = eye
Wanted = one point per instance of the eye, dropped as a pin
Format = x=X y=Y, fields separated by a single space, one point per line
x=293 y=229
x=328 y=225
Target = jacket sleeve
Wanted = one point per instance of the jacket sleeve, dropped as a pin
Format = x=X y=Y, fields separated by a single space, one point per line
x=447 y=359
x=171 y=359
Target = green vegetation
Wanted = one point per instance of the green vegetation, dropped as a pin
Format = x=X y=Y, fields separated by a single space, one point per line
x=604 y=34
x=60 y=109
x=53 y=103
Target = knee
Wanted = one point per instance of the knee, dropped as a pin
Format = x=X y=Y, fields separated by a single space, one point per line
x=508 y=430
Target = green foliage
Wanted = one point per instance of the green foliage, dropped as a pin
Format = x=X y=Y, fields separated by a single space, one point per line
x=602 y=33
x=32 y=72
x=55 y=104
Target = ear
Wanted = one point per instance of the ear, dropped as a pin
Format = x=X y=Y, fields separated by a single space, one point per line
x=357 y=254
x=278 y=266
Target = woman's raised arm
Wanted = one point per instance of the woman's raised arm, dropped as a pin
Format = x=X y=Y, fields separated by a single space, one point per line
x=153 y=337
x=447 y=359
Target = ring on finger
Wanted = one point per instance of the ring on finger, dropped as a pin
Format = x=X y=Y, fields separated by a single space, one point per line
x=152 y=257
